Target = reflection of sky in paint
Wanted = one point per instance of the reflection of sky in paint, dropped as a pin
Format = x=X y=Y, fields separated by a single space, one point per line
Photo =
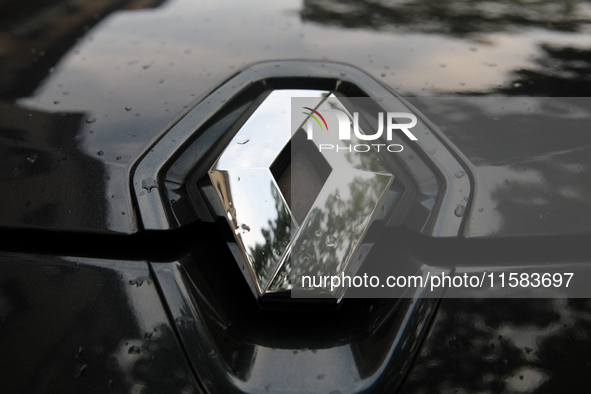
x=194 y=46
x=187 y=41
x=197 y=44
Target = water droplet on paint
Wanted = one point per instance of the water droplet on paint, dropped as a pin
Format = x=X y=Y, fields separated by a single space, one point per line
x=134 y=350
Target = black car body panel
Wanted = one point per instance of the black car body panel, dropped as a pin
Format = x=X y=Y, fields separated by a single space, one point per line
x=91 y=301
x=86 y=325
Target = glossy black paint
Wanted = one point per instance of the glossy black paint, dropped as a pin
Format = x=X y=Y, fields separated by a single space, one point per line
x=84 y=92
x=529 y=346
x=86 y=325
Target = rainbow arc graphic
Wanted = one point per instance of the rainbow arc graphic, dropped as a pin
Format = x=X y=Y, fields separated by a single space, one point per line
x=311 y=114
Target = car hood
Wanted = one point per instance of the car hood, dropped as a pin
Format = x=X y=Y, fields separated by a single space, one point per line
x=88 y=87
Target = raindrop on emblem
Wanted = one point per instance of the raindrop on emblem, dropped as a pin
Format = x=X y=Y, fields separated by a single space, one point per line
x=331 y=241
x=149 y=184
x=460 y=210
x=231 y=213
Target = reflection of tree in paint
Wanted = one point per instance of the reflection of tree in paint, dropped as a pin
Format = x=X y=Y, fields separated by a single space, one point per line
x=449 y=17
x=519 y=345
x=560 y=72
x=528 y=188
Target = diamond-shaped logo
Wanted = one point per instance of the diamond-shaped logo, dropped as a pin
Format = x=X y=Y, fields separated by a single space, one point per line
x=294 y=208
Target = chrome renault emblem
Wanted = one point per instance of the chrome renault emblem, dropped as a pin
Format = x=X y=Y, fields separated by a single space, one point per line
x=273 y=243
